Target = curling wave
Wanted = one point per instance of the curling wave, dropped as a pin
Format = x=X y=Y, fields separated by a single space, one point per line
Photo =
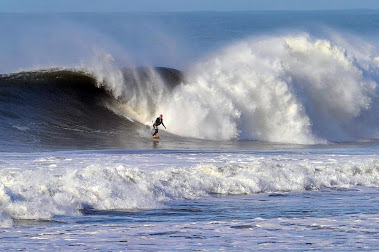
x=286 y=89
x=71 y=108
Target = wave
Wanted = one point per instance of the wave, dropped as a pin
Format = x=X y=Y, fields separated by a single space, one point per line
x=291 y=89
x=285 y=89
x=60 y=107
x=67 y=185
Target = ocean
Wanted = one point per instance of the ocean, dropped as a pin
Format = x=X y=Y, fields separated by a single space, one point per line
x=272 y=139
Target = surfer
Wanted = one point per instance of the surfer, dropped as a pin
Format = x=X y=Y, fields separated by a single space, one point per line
x=158 y=122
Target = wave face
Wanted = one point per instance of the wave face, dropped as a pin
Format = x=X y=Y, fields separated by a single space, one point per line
x=65 y=185
x=285 y=89
x=58 y=108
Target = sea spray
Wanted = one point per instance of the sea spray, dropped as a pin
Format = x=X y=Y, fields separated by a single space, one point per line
x=286 y=89
x=136 y=89
x=291 y=89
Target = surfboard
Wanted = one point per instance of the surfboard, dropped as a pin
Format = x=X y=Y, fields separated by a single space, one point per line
x=156 y=137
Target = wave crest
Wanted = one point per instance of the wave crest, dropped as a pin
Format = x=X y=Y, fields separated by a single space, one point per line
x=287 y=89
x=291 y=89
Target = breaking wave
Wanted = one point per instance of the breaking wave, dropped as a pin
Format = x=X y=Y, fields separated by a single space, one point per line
x=291 y=89
x=286 y=89
x=66 y=186
x=72 y=108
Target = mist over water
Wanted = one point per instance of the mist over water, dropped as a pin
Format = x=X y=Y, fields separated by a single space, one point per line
x=301 y=84
x=271 y=141
x=281 y=89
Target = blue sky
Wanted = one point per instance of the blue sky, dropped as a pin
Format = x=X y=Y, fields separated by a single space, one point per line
x=179 y=5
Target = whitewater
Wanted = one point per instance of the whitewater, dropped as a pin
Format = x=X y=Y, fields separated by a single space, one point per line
x=286 y=89
x=271 y=140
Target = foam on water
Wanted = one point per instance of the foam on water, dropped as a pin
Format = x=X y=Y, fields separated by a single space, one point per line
x=58 y=185
x=292 y=89
x=297 y=85
x=280 y=89
x=287 y=89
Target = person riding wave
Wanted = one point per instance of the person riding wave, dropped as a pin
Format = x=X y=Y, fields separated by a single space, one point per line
x=158 y=122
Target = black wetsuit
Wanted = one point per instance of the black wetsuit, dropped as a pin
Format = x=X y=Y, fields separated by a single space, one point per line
x=158 y=122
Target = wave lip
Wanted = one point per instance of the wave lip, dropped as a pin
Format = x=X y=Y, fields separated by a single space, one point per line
x=77 y=108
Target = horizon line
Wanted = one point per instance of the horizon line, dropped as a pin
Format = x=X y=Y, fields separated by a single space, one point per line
x=183 y=11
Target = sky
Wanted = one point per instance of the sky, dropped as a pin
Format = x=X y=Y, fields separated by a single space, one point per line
x=27 y=6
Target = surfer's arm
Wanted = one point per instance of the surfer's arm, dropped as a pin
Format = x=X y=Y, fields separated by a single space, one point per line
x=163 y=124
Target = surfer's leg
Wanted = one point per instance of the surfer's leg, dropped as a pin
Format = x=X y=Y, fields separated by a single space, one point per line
x=155 y=128
x=156 y=131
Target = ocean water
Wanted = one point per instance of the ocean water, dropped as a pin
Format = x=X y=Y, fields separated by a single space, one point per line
x=272 y=136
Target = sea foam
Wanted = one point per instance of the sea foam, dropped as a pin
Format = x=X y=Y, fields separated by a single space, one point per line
x=291 y=89
x=64 y=186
